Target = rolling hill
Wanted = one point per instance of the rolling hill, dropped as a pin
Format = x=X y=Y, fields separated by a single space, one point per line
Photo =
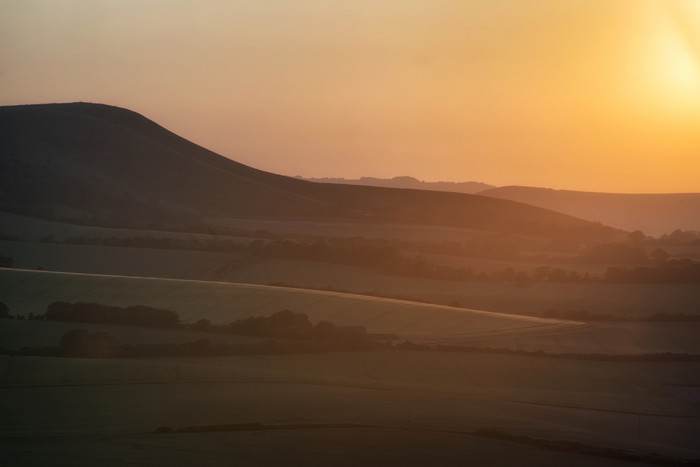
x=407 y=182
x=104 y=165
x=653 y=214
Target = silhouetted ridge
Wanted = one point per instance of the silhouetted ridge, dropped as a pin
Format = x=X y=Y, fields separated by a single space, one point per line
x=654 y=214
x=101 y=164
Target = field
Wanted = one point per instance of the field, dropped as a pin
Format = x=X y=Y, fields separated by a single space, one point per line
x=31 y=291
x=394 y=407
x=379 y=407
x=28 y=292
x=622 y=300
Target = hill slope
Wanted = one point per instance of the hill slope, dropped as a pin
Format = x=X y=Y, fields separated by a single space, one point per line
x=407 y=182
x=654 y=214
x=102 y=164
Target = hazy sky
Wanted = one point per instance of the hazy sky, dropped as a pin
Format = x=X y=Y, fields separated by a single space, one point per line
x=599 y=95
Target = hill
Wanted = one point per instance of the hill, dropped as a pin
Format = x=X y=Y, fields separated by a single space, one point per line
x=653 y=214
x=104 y=165
x=407 y=182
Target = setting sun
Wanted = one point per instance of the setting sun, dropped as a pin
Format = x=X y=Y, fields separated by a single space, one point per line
x=492 y=91
x=671 y=66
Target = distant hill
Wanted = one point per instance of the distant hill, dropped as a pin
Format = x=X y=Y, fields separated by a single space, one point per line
x=104 y=165
x=408 y=182
x=653 y=214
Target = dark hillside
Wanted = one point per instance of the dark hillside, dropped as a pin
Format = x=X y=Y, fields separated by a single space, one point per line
x=654 y=214
x=100 y=164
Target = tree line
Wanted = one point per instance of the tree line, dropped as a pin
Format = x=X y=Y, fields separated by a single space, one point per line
x=285 y=332
x=675 y=271
x=138 y=315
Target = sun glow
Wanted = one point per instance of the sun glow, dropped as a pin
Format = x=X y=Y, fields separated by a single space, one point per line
x=441 y=90
x=671 y=63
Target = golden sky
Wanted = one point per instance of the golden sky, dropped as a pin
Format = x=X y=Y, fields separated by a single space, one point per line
x=595 y=95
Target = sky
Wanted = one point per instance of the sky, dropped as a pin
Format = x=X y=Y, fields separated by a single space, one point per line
x=593 y=95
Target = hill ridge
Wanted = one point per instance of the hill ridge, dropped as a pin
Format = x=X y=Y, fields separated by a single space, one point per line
x=148 y=174
x=653 y=213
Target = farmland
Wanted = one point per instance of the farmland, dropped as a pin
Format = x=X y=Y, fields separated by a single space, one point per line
x=32 y=291
x=394 y=396
x=29 y=292
x=339 y=408
x=622 y=300
x=378 y=326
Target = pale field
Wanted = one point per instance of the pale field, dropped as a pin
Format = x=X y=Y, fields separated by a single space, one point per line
x=153 y=262
x=624 y=300
x=31 y=291
x=28 y=292
x=420 y=406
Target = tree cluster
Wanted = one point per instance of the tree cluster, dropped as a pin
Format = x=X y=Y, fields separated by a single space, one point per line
x=168 y=243
x=287 y=324
x=139 y=315
x=287 y=332
x=677 y=271
x=613 y=253
x=680 y=238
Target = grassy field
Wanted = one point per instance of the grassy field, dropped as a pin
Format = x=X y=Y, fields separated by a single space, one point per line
x=28 y=292
x=31 y=291
x=355 y=408
x=395 y=398
x=152 y=262
x=623 y=300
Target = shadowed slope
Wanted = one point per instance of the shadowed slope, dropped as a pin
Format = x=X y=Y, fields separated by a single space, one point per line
x=97 y=163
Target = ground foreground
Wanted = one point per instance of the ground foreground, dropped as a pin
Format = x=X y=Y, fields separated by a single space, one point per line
x=374 y=408
x=380 y=407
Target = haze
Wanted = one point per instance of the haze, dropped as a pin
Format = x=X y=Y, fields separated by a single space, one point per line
x=596 y=95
